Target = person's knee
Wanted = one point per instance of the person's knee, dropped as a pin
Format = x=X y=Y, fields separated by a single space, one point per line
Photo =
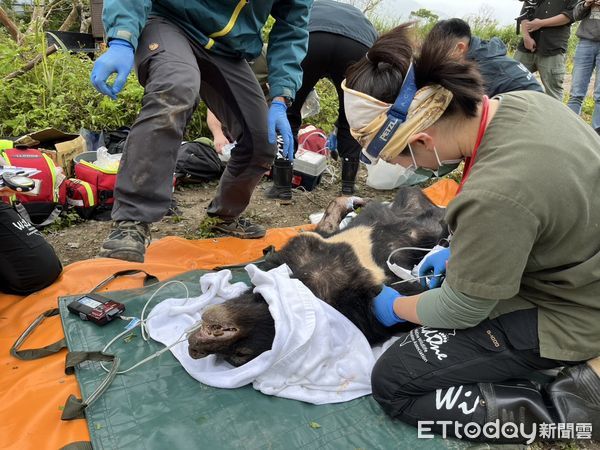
x=176 y=93
x=389 y=382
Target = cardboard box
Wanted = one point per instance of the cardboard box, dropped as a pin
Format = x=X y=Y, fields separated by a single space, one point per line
x=61 y=147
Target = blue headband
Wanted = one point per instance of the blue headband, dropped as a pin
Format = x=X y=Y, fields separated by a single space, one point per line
x=396 y=116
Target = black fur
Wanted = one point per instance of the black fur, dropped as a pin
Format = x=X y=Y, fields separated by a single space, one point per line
x=335 y=275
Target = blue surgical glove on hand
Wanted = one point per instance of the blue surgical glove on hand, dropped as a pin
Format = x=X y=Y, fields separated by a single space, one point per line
x=383 y=307
x=434 y=267
x=278 y=122
x=117 y=59
x=331 y=143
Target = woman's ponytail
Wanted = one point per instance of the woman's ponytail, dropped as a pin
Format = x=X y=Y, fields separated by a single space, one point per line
x=437 y=64
x=381 y=72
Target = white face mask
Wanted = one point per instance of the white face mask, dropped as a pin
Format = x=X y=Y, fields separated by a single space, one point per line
x=444 y=167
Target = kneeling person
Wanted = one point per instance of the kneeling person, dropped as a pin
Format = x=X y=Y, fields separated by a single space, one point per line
x=27 y=262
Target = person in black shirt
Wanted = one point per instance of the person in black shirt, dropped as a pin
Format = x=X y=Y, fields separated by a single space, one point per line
x=340 y=35
x=544 y=44
x=28 y=262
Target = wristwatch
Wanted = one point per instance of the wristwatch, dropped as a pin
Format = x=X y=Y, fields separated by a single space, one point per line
x=286 y=100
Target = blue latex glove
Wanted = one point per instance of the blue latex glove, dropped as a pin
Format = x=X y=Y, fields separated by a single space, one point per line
x=278 y=122
x=117 y=59
x=332 y=144
x=383 y=307
x=434 y=266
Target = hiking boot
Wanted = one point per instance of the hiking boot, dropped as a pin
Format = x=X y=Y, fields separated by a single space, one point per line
x=127 y=240
x=241 y=228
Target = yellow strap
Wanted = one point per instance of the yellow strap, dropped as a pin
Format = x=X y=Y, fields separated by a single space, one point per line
x=209 y=44
x=12 y=198
x=88 y=188
x=231 y=23
x=100 y=169
x=89 y=191
x=52 y=168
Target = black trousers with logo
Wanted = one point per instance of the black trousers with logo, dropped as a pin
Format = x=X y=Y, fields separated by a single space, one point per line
x=433 y=374
x=27 y=262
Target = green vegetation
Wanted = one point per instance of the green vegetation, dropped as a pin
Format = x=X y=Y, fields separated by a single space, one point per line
x=57 y=92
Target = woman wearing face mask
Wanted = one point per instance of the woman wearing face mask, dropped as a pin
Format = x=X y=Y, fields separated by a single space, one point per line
x=522 y=274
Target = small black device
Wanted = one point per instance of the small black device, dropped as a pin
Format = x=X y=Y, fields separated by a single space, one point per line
x=16 y=182
x=529 y=7
x=96 y=308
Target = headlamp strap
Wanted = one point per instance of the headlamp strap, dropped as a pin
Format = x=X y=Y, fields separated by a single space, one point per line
x=396 y=116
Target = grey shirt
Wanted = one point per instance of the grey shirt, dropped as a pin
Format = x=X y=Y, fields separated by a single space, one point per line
x=589 y=28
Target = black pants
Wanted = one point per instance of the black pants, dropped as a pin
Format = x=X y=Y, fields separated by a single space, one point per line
x=175 y=72
x=27 y=262
x=329 y=56
x=433 y=375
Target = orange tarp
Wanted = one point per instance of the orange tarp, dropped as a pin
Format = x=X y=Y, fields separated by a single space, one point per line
x=32 y=393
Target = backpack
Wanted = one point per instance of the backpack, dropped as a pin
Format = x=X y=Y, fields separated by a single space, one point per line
x=114 y=140
x=44 y=207
x=197 y=162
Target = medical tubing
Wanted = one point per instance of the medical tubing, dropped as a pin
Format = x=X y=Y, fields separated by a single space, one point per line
x=142 y=325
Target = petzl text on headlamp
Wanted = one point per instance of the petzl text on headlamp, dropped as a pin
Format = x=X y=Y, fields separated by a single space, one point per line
x=396 y=116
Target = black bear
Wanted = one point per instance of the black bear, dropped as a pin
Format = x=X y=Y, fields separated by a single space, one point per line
x=344 y=268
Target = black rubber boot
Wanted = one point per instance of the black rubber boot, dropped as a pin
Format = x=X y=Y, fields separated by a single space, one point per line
x=516 y=401
x=349 y=171
x=575 y=395
x=282 y=181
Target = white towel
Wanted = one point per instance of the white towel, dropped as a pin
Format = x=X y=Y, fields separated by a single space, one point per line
x=318 y=355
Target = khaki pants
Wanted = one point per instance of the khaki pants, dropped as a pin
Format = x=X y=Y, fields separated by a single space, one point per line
x=551 y=69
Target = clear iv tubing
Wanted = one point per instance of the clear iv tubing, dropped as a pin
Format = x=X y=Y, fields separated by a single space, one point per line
x=142 y=325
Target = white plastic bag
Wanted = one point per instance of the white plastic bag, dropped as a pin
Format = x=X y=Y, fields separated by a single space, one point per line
x=226 y=152
x=107 y=161
x=311 y=105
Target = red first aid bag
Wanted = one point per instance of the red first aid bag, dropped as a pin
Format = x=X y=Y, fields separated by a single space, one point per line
x=82 y=197
x=101 y=181
x=45 y=206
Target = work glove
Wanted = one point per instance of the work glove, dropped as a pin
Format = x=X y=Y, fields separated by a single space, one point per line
x=434 y=268
x=332 y=144
x=278 y=122
x=117 y=59
x=383 y=307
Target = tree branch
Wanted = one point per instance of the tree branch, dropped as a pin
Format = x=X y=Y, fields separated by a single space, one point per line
x=31 y=64
x=12 y=28
x=72 y=17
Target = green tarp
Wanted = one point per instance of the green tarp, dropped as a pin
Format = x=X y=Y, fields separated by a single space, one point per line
x=159 y=406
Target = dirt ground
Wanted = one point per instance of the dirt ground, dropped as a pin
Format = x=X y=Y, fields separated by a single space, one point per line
x=82 y=240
